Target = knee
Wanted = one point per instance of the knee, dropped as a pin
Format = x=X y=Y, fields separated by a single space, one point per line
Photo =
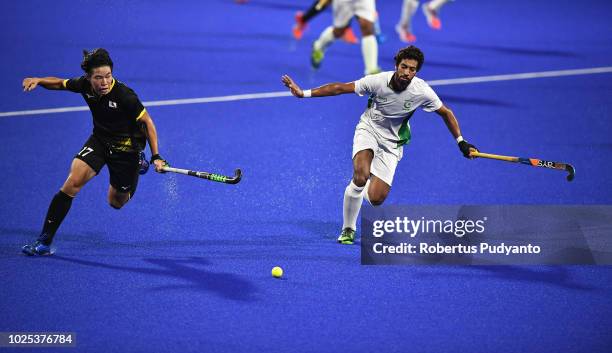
x=117 y=202
x=338 y=32
x=72 y=186
x=361 y=174
x=360 y=178
x=367 y=28
x=367 y=32
x=376 y=199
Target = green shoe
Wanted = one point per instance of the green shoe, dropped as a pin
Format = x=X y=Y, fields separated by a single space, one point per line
x=347 y=236
x=316 y=57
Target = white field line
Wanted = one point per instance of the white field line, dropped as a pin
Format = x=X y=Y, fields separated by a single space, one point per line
x=248 y=96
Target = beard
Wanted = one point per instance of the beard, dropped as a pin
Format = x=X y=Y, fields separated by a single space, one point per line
x=399 y=84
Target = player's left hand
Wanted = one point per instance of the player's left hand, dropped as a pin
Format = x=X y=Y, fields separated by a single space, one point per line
x=466 y=148
x=30 y=83
x=159 y=163
x=293 y=87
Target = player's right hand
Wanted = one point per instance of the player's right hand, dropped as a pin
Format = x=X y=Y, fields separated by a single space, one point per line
x=30 y=83
x=466 y=148
x=293 y=87
x=159 y=163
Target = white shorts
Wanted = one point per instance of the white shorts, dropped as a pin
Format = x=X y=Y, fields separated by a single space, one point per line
x=344 y=10
x=386 y=153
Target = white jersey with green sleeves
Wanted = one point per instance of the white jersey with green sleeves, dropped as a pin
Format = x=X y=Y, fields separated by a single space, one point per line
x=388 y=111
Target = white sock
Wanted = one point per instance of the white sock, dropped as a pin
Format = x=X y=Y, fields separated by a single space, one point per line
x=353 y=197
x=369 y=49
x=365 y=192
x=325 y=39
x=408 y=9
x=436 y=5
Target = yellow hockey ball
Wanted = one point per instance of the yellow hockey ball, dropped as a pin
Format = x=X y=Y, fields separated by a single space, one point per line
x=277 y=272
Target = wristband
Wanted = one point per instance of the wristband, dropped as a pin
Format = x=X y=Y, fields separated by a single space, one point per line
x=156 y=157
x=307 y=93
x=459 y=139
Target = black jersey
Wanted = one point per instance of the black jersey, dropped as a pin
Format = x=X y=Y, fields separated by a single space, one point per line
x=115 y=114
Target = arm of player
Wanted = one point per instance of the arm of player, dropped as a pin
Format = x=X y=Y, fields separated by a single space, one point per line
x=55 y=83
x=453 y=126
x=152 y=139
x=330 y=89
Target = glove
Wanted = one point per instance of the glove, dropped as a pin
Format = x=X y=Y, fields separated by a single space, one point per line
x=464 y=146
x=156 y=157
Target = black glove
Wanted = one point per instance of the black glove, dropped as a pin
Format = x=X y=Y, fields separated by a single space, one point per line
x=464 y=146
x=156 y=157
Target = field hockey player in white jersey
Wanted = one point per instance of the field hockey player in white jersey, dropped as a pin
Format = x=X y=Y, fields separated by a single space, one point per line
x=383 y=129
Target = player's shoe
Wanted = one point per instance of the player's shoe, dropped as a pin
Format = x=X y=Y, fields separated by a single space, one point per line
x=349 y=36
x=142 y=163
x=316 y=56
x=300 y=26
x=404 y=35
x=432 y=17
x=347 y=236
x=37 y=249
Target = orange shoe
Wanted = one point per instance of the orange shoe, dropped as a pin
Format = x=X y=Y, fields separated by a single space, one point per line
x=432 y=17
x=300 y=26
x=404 y=35
x=349 y=36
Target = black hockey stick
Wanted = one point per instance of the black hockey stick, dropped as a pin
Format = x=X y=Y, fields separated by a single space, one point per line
x=209 y=176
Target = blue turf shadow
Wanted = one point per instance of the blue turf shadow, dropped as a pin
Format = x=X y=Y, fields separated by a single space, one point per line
x=226 y=285
x=28 y=235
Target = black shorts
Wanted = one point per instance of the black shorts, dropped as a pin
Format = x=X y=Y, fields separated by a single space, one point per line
x=122 y=166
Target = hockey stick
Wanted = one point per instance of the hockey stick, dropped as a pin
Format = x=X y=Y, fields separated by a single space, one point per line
x=209 y=176
x=321 y=4
x=530 y=161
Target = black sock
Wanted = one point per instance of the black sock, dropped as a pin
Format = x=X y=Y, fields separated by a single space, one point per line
x=312 y=12
x=58 y=209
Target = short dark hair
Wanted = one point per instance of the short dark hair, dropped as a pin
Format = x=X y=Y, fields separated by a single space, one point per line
x=95 y=58
x=410 y=52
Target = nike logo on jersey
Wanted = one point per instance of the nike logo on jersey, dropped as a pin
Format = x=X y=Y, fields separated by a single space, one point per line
x=112 y=104
x=89 y=96
x=125 y=187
